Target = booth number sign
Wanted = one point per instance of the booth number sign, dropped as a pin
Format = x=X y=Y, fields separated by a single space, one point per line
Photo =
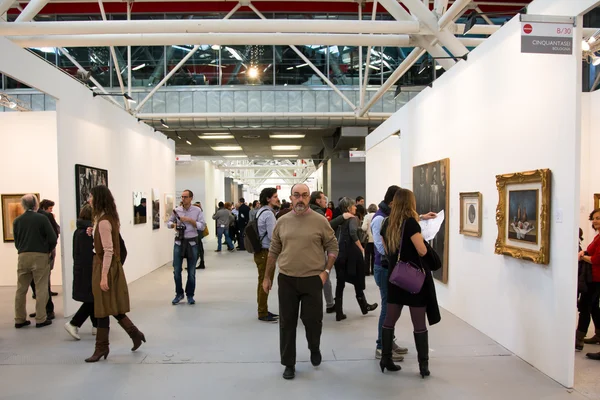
x=546 y=38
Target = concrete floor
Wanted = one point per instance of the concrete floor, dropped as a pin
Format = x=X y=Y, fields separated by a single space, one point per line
x=218 y=349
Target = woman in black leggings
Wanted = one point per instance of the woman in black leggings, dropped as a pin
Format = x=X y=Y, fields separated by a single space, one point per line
x=403 y=240
x=83 y=258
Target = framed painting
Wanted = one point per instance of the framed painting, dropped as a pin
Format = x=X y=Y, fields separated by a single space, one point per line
x=85 y=179
x=169 y=206
x=155 y=209
x=140 y=208
x=470 y=214
x=431 y=185
x=523 y=215
x=596 y=201
x=11 y=209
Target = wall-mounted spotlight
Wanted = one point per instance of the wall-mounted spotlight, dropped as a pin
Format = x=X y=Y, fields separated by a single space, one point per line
x=163 y=123
x=127 y=97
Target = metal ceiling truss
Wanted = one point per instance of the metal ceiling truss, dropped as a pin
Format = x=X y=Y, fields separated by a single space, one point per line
x=256 y=174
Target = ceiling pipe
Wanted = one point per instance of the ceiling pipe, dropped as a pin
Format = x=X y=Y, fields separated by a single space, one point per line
x=32 y=9
x=5 y=5
x=262 y=39
x=158 y=116
x=454 y=11
x=208 y=26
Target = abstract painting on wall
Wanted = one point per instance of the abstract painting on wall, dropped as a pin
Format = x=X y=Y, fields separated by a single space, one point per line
x=11 y=209
x=431 y=185
x=169 y=206
x=85 y=179
x=155 y=209
x=523 y=215
x=140 y=208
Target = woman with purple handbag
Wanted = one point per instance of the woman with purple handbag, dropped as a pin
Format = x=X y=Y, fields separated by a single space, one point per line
x=411 y=283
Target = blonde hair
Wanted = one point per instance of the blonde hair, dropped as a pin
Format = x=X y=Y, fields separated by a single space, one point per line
x=403 y=207
x=227 y=206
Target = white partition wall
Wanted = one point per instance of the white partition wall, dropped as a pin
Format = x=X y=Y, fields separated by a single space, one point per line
x=501 y=112
x=206 y=181
x=383 y=169
x=93 y=131
x=29 y=163
x=590 y=162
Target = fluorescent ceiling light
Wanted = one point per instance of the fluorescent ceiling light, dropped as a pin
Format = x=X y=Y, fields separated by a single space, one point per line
x=227 y=148
x=285 y=155
x=188 y=142
x=297 y=136
x=163 y=123
x=215 y=137
x=290 y=68
x=286 y=148
x=216 y=133
x=138 y=67
x=438 y=67
x=181 y=48
x=253 y=72
x=236 y=156
x=302 y=65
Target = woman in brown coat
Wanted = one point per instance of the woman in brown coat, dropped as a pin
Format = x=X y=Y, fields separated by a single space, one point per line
x=111 y=296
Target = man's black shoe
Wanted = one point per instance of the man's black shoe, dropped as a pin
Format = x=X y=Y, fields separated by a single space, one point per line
x=331 y=310
x=22 y=324
x=43 y=324
x=270 y=314
x=53 y=294
x=289 y=373
x=315 y=358
x=51 y=316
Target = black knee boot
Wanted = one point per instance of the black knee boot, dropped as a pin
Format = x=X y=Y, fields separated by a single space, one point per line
x=339 y=309
x=422 y=344
x=387 y=341
x=364 y=306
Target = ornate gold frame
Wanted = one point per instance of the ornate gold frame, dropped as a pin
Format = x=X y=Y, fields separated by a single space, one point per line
x=596 y=200
x=470 y=195
x=543 y=176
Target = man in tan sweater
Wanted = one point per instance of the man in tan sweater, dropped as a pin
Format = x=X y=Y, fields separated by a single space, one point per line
x=298 y=242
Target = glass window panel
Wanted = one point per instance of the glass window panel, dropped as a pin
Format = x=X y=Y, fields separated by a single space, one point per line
x=47 y=53
x=293 y=70
x=147 y=65
x=92 y=59
x=202 y=68
x=344 y=65
x=14 y=84
x=247 y=65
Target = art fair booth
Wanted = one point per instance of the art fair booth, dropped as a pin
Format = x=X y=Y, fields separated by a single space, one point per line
x=497 y=144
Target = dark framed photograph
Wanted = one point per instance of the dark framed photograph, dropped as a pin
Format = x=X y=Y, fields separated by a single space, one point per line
x=85 y=179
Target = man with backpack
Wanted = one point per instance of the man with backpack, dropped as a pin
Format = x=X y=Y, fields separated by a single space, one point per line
x=265 y=222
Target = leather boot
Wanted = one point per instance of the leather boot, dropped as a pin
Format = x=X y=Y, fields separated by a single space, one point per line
x=579 y=336
x=101 y=346
x=387 y=340
x=134 y=333
x=364 y=306
x=593 y=356
x=594 y=339
x=339 y=309
x=422 y=345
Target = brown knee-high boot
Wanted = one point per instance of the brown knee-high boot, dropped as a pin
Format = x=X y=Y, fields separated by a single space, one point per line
x=102 y=349
x=134 y=333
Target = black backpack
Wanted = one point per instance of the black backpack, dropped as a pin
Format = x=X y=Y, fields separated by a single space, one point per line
x=252 y=240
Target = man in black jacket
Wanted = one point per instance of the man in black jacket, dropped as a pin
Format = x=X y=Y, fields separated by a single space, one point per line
x=243 y=219
x=35 y=240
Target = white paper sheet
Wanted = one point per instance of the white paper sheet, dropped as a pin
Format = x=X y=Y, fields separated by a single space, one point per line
x=431 y=227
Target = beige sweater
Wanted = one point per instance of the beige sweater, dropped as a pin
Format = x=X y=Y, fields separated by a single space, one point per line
x=300 y=240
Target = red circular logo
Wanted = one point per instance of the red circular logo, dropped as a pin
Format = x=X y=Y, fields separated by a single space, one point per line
x=527 y=29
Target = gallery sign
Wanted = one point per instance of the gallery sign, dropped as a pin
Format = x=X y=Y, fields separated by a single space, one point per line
x=183 y=157
x=358 y=156
x=547 y=38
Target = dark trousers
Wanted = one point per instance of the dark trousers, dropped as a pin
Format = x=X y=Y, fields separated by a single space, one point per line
x=339 y=289
x=370 y=258
x=589 y=307
x=200 y=253
x=104 y=322
x=241 y=228
x=86 y=310
x=293 y=293
x=49 y=304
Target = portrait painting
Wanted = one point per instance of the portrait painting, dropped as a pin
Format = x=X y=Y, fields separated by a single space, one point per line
x=140 y=208
x=11 y=209
x=596 y=201
x=431 y=188
x=523 y=215
x=169 y=206
x=470 y=214
x=155 y=209
x=85 y=179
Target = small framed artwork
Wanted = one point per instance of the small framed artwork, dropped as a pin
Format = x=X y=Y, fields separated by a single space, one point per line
x=85 y=179
x=155 y=209
x=523 y=215
x=11 y=209
x=169 y=206
x=596 y=201
x=140 y=208
x=470 y=214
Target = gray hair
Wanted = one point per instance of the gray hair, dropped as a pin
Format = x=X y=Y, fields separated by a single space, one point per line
x=30 y=202
x=372 y=208
x=346 y=203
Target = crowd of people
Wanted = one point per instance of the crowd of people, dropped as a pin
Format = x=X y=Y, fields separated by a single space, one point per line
x=305 y=238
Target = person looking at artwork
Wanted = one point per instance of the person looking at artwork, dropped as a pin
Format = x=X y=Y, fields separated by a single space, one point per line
x=299 y=240
x=243 y=219
x=34 y=239
x=83 y=259
x=350 y=264
x=403 y=241
x=109 y=285
x=222 y=216
x=233 y=214
x=254 y=210
x=200 y=264
x=265 y=223
x=187 y=221
x=370 y=246
x=589 y=307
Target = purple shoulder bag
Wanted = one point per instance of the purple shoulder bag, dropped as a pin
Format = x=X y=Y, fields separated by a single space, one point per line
x=406 y=275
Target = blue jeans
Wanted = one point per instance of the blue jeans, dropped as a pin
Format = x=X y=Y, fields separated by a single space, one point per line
x=220 y=232
x=381 y=279
x=190 y=286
